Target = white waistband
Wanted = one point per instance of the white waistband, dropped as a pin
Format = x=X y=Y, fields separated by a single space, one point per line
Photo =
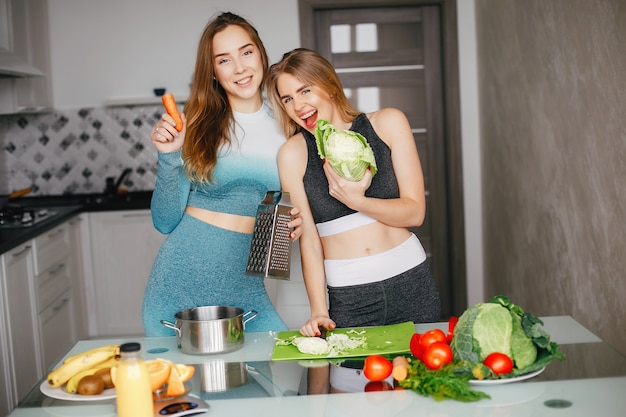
x=357 y=271
x=342 y=224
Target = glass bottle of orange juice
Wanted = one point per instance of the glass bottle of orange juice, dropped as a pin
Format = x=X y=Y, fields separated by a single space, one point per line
x=132 y=384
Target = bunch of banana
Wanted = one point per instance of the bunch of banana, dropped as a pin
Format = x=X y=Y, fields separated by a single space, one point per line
x=83 y=362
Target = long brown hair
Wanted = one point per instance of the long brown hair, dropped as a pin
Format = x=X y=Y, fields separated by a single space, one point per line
x=209 y=114
x=311 y=69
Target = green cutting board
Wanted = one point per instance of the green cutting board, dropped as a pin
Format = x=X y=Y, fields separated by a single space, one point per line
x=381 y=340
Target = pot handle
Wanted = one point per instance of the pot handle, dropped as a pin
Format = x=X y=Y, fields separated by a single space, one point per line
x=252 y=314
x=171 y=326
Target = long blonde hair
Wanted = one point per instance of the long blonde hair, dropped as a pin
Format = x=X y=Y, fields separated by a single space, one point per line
x=311 y=69
x=210 y=117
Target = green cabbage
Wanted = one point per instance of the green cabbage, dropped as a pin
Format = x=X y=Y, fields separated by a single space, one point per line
x=347 y=152
x=501 y=326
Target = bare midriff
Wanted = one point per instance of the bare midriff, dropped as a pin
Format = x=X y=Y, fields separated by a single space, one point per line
x=363 y=241
x=233 y=222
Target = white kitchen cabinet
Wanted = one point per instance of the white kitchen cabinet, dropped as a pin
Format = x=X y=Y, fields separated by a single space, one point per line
x=123 y=247
x=76 y=226
x=6 y=378
x=22 y=338
x=24 y=57
x=57 y=334
x=36 y=310
x=53 y=282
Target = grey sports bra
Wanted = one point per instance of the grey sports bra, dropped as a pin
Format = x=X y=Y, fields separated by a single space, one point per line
x=326 y=208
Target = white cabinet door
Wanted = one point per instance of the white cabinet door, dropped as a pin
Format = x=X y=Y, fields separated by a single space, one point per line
x=26 y=45
x=23 y=335
x=57 y=335
x=77 y=274
x=123 y=247
x=6 y=376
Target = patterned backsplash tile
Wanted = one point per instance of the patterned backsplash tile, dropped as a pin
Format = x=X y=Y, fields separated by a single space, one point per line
x=73 y=152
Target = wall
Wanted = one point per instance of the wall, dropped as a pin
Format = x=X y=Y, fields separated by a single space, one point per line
x=118 y=49
x=73 y=151
x=552 y=77
x=470 y=136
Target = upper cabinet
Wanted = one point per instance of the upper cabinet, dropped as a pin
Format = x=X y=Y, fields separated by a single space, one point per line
x=24 y=57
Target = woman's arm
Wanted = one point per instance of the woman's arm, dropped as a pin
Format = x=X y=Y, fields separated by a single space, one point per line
x=410 y=208
x=171 y=191
x=172 y=186
x=292 y=161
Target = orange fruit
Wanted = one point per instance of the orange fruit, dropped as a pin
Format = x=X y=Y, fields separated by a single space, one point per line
x=159 y=371
x=175 y=385
x=185 y=371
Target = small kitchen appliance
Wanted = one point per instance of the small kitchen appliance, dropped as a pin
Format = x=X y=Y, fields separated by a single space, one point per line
x=21 y=217
x=270 y=249
x=187 y=405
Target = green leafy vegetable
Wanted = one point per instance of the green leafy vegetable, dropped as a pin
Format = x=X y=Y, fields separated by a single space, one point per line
x=448 y=382
x=346 y=151
x=501 y=326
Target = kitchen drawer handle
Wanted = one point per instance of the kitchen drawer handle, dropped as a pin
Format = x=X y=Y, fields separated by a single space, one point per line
x=57 y=269
x=26 y=248
x=75 y=221
x=58 y=231
x=60 y=305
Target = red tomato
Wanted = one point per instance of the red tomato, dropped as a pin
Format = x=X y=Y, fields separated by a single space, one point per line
x=377 y=386
x=451 y=325
x=436 y=355
x=376 y=368
x=431 y=336
x=416 y=348
x=499 y=363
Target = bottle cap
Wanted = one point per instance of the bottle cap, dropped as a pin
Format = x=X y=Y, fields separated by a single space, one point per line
x=130 y=347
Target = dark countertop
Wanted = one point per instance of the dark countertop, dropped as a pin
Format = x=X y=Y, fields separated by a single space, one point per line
x=65 y=207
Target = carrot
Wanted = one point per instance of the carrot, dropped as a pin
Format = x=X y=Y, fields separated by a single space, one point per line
x=172 y=110
x=400 y=369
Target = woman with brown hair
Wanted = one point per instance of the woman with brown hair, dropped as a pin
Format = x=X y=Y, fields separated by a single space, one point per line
x=355 y=243
x=211 y=177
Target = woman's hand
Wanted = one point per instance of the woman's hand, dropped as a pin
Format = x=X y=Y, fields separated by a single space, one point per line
x=312 y=327
x=350 y=193
x=295 y=224
x=165 y=137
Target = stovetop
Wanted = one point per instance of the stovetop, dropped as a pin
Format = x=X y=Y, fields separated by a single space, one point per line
x=23 y=217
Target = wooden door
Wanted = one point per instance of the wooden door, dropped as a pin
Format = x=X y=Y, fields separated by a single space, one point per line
x=392 y=55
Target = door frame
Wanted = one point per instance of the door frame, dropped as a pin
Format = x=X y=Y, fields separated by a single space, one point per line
x=452 y=122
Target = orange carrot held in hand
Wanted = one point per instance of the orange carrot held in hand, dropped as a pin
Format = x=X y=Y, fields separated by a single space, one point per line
x=172 y=110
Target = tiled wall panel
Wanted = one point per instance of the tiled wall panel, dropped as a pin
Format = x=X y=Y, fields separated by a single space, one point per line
x=73 y=152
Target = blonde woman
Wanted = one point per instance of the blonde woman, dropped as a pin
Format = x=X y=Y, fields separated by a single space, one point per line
x=355 y=243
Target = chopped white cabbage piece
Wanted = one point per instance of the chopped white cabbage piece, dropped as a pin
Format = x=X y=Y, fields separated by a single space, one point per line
x=312 y=345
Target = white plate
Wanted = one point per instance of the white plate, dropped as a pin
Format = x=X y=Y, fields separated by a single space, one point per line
x=506 y=380
x=61 y=394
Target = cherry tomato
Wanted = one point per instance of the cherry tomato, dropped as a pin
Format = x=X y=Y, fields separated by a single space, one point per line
x=451 y=325
x=377 y=386
x=499 y=363
x=431 y=336
x=436 y=355
x=416 y=348
x=376 y=368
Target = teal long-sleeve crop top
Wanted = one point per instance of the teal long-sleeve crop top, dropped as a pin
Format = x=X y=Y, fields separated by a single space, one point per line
x=245 y=171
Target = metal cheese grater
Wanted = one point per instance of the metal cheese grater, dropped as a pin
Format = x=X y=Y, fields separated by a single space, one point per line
x=270 y=250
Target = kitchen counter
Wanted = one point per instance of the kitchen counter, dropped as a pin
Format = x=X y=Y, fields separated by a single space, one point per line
x=65 y=207
x=592 y=381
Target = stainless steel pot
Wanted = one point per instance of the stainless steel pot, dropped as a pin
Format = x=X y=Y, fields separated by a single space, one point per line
x=210 y=329
x=219 y=376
